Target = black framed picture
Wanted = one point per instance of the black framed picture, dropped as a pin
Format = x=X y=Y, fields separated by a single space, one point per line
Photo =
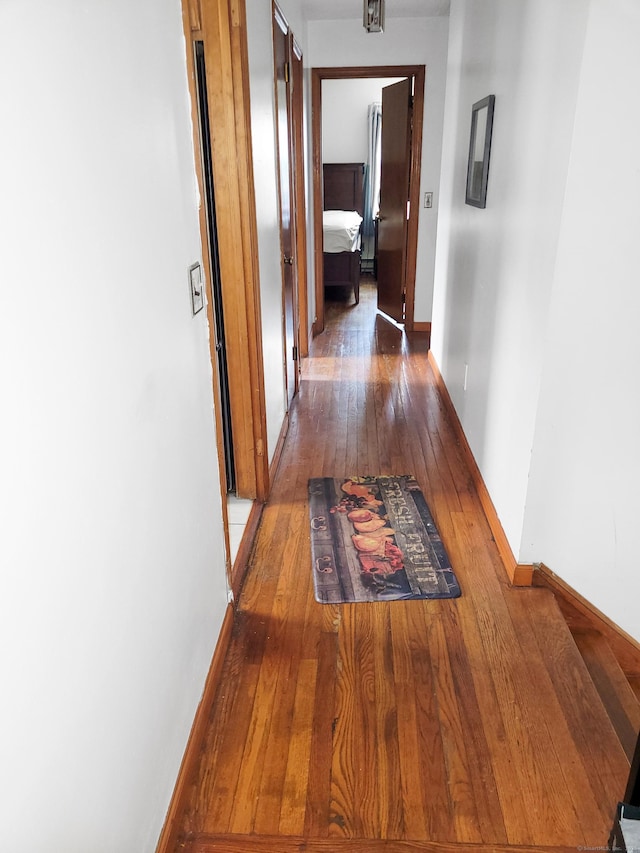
x=479 y=151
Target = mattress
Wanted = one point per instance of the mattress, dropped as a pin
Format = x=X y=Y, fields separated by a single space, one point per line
x=341 y=231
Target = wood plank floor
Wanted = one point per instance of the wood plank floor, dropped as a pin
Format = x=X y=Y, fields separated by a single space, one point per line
x=446 y=725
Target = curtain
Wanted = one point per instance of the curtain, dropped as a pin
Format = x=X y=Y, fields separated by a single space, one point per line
x=372 y=177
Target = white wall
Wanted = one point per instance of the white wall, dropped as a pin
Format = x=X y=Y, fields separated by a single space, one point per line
x=111 y=553
x=494 y=267
x=345 y=104
x=582 y=505
x=537 y=293
x=406 y=41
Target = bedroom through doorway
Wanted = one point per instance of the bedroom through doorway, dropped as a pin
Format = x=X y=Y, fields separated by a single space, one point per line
x=349 y=138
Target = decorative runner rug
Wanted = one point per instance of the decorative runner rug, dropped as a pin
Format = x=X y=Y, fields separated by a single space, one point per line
x=373 y=539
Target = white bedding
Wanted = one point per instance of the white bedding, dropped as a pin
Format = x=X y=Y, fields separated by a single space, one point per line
x=341 y=231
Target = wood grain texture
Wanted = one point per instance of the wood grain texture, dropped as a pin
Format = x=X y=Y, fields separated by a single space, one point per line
x=466 y=724
x=581 y=614
x=612 y=685
x=279 y=844
x=222 y=29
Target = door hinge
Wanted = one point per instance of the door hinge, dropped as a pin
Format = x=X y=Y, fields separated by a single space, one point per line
x=295 y=353
x=286 y=72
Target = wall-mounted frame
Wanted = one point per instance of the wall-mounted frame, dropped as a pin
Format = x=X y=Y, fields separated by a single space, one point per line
x=479 y=151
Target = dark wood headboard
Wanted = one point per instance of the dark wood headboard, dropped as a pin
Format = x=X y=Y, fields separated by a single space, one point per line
x=343 y=186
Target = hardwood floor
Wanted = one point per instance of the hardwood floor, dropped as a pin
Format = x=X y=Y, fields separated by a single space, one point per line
x=399 y=726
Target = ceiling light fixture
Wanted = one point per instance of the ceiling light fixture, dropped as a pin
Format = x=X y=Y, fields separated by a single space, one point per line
x=374 y=16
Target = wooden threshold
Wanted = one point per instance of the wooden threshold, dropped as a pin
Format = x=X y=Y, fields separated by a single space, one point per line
x=296 y=844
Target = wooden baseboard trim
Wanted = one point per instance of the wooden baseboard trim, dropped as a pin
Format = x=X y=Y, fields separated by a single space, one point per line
x=241 y=562
x=422 y=327
x=580 y=613
x=518 y=574
x=523 y=574
x=277 y=453
x=168 y=841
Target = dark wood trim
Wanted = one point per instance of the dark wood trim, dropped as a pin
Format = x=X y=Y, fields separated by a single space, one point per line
x=280 y=29
x=580 y=613
x=414 y=196
x=295 y=844
x=422 y=327
x=316 y=165
x=347 y=73
x=188 y=768
x=241 y=562
x=518 y=574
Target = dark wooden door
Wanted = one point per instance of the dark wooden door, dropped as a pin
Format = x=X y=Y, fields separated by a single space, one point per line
x=282 y=60
x=394 y=197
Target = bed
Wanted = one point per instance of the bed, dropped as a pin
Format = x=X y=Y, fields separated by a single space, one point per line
x=342 y=219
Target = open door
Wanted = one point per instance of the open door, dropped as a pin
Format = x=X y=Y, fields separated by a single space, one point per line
x=395 y=174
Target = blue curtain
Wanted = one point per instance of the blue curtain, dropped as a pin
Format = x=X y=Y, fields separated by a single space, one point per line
x=372 y=177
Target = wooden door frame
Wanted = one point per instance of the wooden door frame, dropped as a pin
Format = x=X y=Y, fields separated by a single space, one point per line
x=346 y=73
x=279 y=23
x=300 y=211
x=221 y=26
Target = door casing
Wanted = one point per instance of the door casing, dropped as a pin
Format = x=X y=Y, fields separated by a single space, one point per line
x=346 y=73
x=285 y=153
x=221 y=26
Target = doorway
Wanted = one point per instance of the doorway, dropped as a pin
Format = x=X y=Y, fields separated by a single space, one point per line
x=406 y=279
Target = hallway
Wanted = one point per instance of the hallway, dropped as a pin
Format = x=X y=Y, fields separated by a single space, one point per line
x=449 y=723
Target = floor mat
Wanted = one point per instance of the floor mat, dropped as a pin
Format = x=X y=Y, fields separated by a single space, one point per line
x=374 y=539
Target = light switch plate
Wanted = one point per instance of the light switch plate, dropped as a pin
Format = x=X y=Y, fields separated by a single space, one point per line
x=197 y=288
x=428 y=199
